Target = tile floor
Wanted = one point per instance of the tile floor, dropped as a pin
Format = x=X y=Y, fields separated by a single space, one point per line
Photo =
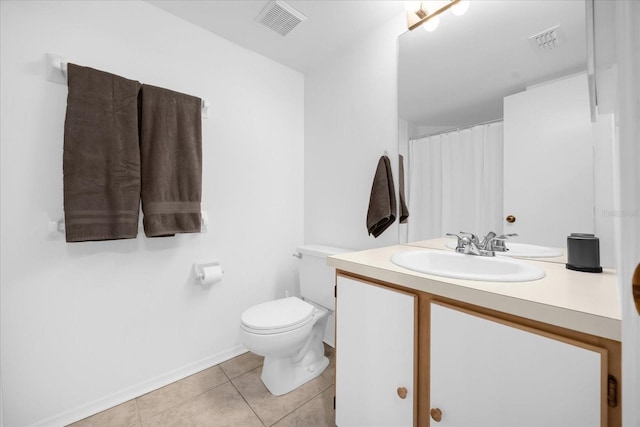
x=229 y=394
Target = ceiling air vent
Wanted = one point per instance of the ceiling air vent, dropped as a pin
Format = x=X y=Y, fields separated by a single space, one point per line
x=280 y=17
x=547 y=39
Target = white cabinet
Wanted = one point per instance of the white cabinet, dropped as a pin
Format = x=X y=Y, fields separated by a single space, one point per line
x=375 y=355
x=489 y=373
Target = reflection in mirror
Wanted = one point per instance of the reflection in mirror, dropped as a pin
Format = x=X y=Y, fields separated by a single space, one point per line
x=495 y=121
x=459 y=74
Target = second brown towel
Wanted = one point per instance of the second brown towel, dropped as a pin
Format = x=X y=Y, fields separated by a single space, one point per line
x=171 y=161
x=382 y=202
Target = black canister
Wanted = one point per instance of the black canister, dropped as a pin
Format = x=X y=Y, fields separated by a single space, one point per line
x=583 y=253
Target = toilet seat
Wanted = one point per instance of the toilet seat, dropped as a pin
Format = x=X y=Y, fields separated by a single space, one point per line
x=277 y=316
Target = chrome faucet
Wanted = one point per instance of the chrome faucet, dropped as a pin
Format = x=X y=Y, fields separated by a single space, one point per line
x=496 y=243
x=487 y=239
x=468 y=243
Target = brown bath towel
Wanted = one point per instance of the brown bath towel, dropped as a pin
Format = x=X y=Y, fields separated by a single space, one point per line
x=101 y=159
x=382 y=202
x=404 y=211
x=171 y=161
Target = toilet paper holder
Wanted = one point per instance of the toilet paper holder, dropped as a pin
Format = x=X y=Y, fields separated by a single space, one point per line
x=199 y=266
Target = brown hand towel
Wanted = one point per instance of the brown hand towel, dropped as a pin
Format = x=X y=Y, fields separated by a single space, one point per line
x=382 y=202
x=171 y=158
x=101 y=159
x=404 y=211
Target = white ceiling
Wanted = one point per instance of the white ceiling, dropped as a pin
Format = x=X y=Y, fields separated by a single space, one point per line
x=331 y=25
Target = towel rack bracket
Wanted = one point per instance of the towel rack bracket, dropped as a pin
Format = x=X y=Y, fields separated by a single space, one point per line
x=55 y=227
x=56 y=69
x=205 y=108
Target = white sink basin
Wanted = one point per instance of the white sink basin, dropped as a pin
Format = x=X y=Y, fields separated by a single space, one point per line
x=521 y=250
x=471 y=267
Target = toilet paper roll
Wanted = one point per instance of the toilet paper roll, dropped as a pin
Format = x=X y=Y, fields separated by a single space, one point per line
x=212 y=274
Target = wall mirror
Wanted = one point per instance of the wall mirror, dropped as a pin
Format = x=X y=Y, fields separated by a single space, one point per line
x=471 y=62
x=458 y=76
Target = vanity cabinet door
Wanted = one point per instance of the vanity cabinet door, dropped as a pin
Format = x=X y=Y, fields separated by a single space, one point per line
x=490 y=373
x=375 y=347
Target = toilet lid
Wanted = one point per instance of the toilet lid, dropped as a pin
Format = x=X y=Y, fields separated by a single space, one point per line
x=277 y=314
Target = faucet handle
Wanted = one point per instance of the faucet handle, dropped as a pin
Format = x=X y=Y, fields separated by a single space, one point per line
x=461 y=241
x=504 y=236
x=490 y=235
x=486 y=241
x=474 y=238
x=496 y=243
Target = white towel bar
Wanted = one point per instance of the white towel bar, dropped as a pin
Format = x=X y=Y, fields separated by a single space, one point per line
x=55 y=227
x=57 y=73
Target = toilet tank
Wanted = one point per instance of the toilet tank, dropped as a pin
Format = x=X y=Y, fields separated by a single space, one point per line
x=317 y=279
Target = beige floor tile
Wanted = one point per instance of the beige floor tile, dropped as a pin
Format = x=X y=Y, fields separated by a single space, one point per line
x=124 y=415
x=176 y=393
x=272 y=408
x=221 y=407
x=318 y=412
x=241 y=364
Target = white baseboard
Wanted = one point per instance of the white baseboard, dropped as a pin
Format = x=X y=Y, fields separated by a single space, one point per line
x=137 y=390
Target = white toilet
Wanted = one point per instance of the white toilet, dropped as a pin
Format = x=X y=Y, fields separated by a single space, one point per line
x=289 y=332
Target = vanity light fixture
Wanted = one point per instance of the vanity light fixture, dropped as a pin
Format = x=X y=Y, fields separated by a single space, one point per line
x=426 y=13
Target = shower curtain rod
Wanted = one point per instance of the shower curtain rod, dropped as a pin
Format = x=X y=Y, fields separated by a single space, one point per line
x=455 y=129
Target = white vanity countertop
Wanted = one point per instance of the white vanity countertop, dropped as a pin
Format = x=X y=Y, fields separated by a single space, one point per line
x=585 y=302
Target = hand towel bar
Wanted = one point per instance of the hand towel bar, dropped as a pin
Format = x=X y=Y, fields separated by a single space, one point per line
x=57 y=73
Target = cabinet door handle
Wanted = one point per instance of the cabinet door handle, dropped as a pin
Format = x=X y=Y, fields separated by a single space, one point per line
x=510 y=219
x=436 y=414
x=402 y=392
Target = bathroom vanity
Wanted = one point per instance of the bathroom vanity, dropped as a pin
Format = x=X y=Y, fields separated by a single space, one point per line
x=414 y=349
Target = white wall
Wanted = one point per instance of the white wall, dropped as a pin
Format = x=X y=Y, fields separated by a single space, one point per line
x=87 y=325
x=351 y=118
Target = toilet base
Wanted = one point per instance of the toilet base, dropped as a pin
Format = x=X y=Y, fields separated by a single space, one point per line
x=284 y=374
x=280 y=377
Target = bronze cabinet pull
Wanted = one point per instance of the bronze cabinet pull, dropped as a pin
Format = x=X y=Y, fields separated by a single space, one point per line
x=402 y=392
x=436 y=414
x=510 y=219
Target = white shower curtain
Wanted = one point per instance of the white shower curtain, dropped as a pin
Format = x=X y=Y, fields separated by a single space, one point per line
x=455 y=182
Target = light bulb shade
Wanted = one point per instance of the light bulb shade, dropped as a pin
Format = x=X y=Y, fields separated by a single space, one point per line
x=412 y=6
x=460 y=8
x=431 y=24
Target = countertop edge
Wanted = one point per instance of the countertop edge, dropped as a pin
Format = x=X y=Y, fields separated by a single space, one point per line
x=588 y=323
